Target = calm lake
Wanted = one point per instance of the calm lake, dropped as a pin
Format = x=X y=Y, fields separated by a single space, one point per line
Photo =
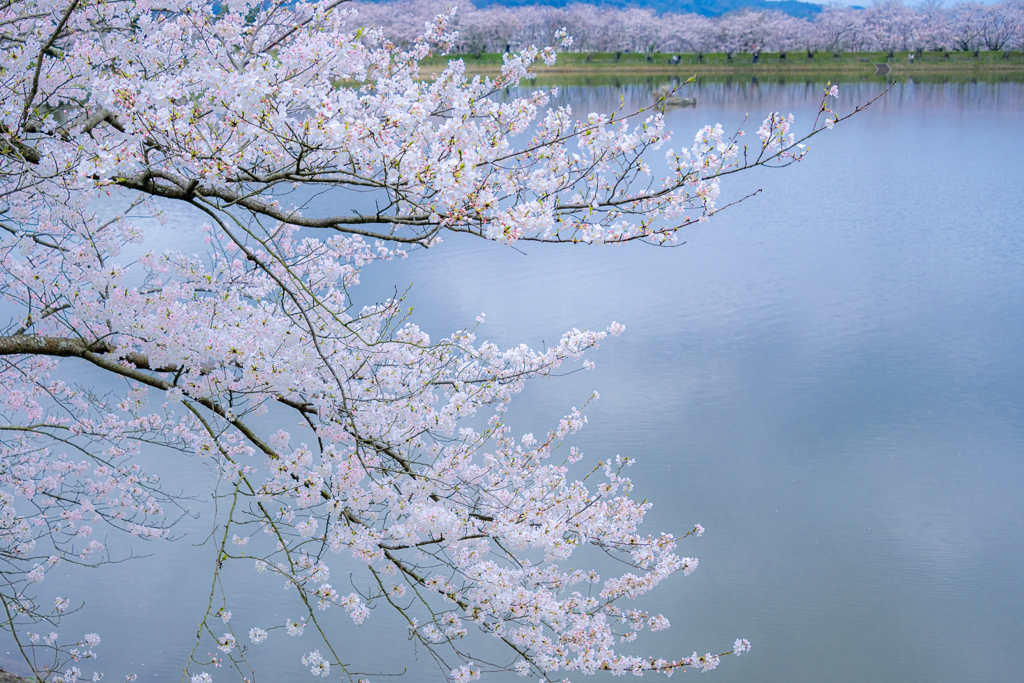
x=829 y=377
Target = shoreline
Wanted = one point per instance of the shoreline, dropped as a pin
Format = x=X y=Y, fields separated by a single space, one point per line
x=930 y=65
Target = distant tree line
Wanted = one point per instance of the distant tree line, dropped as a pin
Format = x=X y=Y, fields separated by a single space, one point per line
x=885 y=26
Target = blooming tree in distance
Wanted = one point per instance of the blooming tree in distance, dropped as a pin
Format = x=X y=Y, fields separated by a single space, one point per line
x=881 y=26
x=115 y=112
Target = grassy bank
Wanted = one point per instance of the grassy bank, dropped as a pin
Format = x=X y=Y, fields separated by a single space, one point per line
x=927 y=66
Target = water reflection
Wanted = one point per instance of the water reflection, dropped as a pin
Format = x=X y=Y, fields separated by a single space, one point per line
x=752 y=93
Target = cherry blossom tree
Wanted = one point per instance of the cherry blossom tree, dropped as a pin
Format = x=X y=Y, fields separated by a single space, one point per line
x=933 y=26
x=498 y=28
x=892 y=25
x=838 y=29
x=698 y=34
x=538 y=24
x=889 y=25
x=638 y=29
x=234 y=112
x=968 y=25
x=588 y=27
x=789 y=33
x=1003 y=25
x=757 y=31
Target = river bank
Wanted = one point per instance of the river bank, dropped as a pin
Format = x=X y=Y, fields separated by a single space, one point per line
x=930 y=66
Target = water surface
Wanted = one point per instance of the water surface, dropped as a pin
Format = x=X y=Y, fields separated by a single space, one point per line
x=829 y=377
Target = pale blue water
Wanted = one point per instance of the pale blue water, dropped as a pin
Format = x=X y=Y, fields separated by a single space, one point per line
x=828 y=377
